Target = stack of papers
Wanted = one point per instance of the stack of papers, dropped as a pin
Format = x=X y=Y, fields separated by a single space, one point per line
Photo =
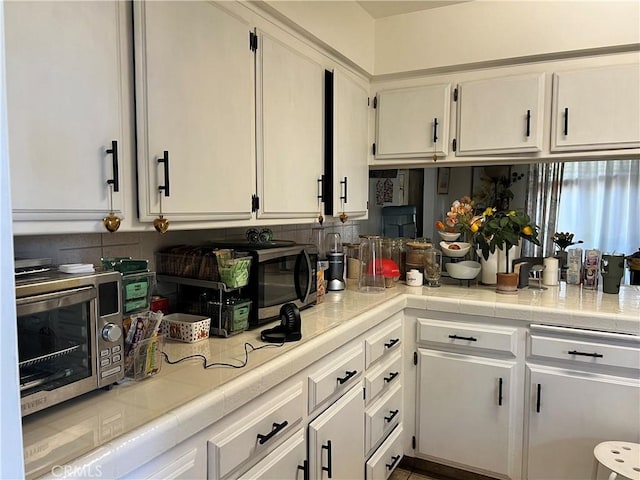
x=77 y=268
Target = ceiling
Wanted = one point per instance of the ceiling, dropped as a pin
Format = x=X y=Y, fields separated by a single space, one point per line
x=388 y=8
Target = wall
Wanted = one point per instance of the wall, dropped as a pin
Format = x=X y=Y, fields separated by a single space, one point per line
x=91 y=247
x=486 y=31
x=343 y=26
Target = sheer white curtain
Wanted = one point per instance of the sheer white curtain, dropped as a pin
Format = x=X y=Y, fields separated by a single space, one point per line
x=600 y=204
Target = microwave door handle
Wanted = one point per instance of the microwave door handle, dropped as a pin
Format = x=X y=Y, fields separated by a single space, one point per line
x=303 y=296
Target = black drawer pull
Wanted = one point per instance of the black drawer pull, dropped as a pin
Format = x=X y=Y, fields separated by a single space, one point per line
x=528 y=123
x=500 y=392
x=305 y=470
x=165 y=160
x=113 y=151
x=262 y=439
x=566 y=121
x=394 y=460
x=391 y=342
x=328 y=468
x=391 y=376
x=348 y=375
x=586 y=354
x=392 y=415
x=538 y=396
x=435 y=130
x=458 y=337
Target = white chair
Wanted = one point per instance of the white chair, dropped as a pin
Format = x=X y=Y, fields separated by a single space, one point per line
x=622 y=458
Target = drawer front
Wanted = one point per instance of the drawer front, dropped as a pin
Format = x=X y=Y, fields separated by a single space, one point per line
x=263 y=427
x=384 y=461
x=383 y=377
x=382 y=416
x=470 y=335
x=591 y=353
x=335 y=377
x=286 y=461
x=383 y=341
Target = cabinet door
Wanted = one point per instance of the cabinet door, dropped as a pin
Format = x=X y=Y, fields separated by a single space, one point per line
x=596 y=109
x=348 y=169
x=413 y=122
x=289 y=461
x=194 y=97
x=336 y=439
x=570 y=414
x=289 y=131
x=66 y=75
x=466 y=411
x=500 y=115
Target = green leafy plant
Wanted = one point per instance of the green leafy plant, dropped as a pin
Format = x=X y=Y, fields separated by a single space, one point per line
x=564 y=240
x=503 y=229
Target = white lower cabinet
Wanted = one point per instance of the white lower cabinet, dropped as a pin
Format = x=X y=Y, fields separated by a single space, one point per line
x=336 y=439
x=185 y=462
x=386 y=458
x=256 y=431
x=467 y=411
x=578 y=396
x=288 y=461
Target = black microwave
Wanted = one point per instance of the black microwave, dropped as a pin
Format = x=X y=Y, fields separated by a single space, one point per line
x=281 y=272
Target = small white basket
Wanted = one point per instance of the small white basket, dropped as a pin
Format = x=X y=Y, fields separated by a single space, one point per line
x=185 y=327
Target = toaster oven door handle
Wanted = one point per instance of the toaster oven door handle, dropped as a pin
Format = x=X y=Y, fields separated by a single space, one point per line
x=51 y=301
x=303 y=296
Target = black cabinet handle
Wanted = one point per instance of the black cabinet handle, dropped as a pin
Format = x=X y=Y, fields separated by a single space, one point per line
x=321 y=192
x=391 y=376
x=165 y=160
x=394 y=460
x=262 y=439
x=113 y=151
x=392 y=415
x=458 y=337
x=344 y=182
x=435 y=130
x=566 y=121
x=538 y=398
x=391 y=342
x=528 y=123
x=348 y=375
x=586 y=354
x=305 y=470
x=500 y=392
x=328 y=468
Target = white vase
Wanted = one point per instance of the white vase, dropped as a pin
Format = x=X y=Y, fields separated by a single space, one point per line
x=497 y=262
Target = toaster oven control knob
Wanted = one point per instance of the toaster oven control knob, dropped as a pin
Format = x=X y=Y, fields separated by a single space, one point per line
x=111 y=332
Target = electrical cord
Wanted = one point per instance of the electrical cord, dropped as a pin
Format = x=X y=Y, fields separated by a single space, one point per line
x=248 y=348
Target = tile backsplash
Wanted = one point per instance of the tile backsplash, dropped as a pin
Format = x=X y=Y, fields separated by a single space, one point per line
x=91 y=247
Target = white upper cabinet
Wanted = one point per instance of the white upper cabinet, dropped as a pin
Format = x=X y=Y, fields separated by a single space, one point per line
x=194 y=100
x=347 y=167
x=501 y=115
x=413 y=122
x=290 y=121
x=66 y=106
x=596 y=109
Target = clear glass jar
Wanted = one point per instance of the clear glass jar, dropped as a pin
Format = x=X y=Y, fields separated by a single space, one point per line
x=432 y=267
x=391 y=250
x=415 y=255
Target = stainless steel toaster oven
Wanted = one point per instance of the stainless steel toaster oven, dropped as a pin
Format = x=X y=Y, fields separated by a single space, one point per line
x=69 y=336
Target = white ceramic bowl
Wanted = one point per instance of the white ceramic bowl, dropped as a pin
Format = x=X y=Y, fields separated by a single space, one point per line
x=447 y=251
x=467 y=270
x=448 y=236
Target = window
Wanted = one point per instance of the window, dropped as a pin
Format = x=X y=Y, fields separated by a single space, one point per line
x=600 y=204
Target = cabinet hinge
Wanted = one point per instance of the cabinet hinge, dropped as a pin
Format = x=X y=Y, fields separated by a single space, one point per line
x=415 y=358
x=454 y=145
x=253 y=41
x=255 y=203
x=413 y=442
x=455 y=94
x=373 y=148
x=375 y=102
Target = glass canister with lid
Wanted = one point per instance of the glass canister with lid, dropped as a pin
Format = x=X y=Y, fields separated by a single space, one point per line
x=415 y=254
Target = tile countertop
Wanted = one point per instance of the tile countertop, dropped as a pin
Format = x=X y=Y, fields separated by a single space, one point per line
x=96 y=428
